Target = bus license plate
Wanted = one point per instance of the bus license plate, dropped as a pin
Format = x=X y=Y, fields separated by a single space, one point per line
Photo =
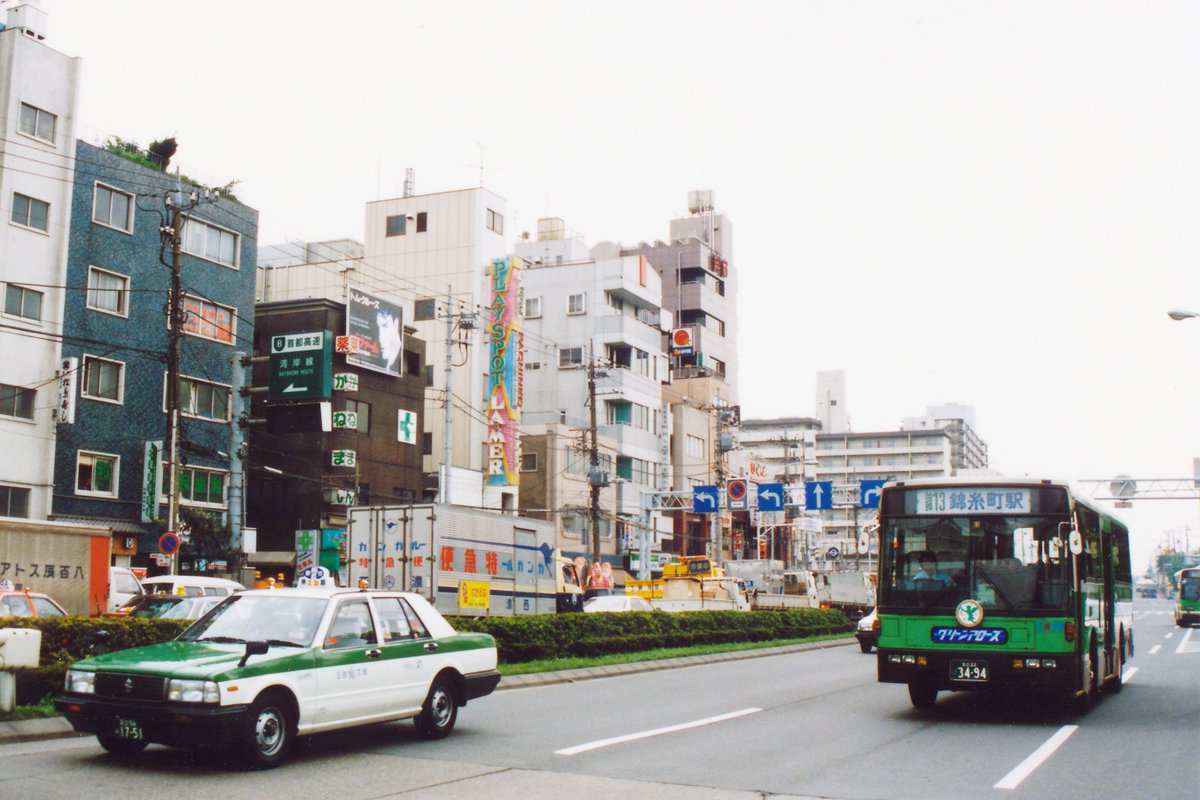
x=129 y=729
x=975 y=671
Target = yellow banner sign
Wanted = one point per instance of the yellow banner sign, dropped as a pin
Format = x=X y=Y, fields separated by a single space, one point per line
x=474 y=594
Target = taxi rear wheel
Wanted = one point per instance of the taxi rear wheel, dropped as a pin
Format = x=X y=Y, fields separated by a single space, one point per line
x=120 y=747
x=270 y=731
x=437 y=716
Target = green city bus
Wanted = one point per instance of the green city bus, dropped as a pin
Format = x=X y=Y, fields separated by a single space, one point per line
x=1187 y=598
x=993 y=584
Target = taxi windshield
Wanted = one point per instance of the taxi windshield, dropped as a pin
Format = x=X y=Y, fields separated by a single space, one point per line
x=270 y=618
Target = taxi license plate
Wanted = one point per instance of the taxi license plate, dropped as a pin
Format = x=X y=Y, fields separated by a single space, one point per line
x=129 y=729
x=974 y=671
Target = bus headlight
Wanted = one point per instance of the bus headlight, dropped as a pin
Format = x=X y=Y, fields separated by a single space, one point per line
x=80 y=681
x=189 y=691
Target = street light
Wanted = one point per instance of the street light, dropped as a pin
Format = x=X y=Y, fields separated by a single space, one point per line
x=1178 y=314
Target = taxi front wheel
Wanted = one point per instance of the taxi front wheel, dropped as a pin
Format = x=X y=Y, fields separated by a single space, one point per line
x=437 y=716
x=270 y=731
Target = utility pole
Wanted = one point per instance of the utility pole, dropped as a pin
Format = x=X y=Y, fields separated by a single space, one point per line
x=594 y=472
x=178 y=205
x=466 y=321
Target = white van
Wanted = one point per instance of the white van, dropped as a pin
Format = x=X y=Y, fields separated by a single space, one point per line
x=191 y=585
x=122 y=586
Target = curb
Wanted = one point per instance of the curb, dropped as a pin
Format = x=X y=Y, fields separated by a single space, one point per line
x=34 y=730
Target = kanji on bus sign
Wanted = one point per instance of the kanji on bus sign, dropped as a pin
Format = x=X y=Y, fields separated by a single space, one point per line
x=301 y=366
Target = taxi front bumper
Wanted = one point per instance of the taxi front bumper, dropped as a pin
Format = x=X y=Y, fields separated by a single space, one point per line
x=176 y=724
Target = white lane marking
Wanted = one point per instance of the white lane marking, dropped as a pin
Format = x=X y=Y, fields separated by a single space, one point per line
x=1128 y=674
x=583 y=748
x=1155 y=649
x=1022 y=771
x=1169 y=635
x=1183 y=642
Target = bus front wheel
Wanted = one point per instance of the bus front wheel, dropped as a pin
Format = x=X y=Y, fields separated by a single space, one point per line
x=922 y=695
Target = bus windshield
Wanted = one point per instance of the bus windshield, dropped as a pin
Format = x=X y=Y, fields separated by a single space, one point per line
x=1007 y=563
x=1189 y=585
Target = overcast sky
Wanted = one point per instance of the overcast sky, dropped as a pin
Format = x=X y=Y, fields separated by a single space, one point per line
x=987 y=203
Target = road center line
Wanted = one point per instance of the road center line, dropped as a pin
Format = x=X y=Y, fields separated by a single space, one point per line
x=1022 y=771
x=1183 y=642
x=1155 y=649
x=583 y=748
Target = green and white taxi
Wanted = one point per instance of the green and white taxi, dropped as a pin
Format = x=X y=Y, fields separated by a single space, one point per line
x=266 y=666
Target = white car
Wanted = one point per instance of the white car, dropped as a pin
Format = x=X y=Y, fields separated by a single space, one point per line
x=618 y=602
x=266 y=666
x=191 y=585
x=867 y=632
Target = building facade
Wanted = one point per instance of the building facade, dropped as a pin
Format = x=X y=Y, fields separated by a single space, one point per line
x=109 y=452
x=39 y=90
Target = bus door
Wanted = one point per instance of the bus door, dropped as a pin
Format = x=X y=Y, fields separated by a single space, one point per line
x=1108 y=604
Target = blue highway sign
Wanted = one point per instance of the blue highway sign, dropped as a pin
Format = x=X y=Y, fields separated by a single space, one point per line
x=868 y=493
x=818 y=495
x=770 y=497
x=705 y=499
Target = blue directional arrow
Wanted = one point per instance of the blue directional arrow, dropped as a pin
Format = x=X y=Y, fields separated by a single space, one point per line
x=770 y=497
x=705 y=499
x=818 y=495
x=869 y=492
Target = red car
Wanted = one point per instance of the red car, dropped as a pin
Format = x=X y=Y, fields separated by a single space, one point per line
x=18 y=603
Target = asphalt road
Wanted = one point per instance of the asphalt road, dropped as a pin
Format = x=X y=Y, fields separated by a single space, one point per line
x=813 y=724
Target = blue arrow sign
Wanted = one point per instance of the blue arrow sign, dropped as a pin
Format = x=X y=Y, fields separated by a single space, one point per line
x=770 y=497
x=705 y=499
x=869 y=492
x=818 y=495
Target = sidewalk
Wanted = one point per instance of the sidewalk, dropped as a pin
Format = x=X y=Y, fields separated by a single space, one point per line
x=32 y=730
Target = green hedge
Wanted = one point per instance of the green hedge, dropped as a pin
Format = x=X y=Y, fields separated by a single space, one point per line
x=541 y=636
x=546 y=636
x=65 y=640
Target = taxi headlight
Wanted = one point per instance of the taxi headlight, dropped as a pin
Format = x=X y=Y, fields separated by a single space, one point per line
x=189 y=691
x=80 y=681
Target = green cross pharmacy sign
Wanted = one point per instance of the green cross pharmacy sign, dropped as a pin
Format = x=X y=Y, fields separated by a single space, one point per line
x=406 y=428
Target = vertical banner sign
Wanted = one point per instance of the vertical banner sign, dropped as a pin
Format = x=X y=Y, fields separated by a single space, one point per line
x=151 y=470
x=379 y=325
x=505 y=372
x=66 y=391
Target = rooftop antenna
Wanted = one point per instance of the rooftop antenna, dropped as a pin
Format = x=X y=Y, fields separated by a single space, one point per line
x=409 y=181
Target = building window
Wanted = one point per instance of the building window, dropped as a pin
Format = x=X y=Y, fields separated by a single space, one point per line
x=96 y=474
x=529 y=462
x=396 y=225
x=103 y=379
x=693 y=446
x=37 y=123
x=108 y=292
x=533 y=307
x=622 y=412
x=207 y=241
x=422 y=221
x=570 y=357
x=14 y=501
x=363 y=410
x=197 y=486
x=16 y=401
x=112 y=208
x=576 y=303
x=426 y=444
x=208 y=320
x=530 y=366
x=427 y=376
x=424 y=309
x=22 y=302
x=30 y=213
x=494 y=221
x=202 y=399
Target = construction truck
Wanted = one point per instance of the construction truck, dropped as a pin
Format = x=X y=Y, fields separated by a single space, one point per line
x=691 y=583
x=851 y=591
x=765 y=584
x=464 y=561
x=69 y=562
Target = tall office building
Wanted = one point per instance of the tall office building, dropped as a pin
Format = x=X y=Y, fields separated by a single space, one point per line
x=831 y=401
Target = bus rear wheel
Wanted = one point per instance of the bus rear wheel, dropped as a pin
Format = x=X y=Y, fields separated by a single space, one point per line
x=922 y=695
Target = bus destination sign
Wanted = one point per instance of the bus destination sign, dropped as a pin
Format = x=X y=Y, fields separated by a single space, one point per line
x=971 y=500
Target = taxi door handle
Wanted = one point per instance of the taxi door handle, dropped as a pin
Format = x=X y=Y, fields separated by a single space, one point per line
x=374 y=653
x=431 y=646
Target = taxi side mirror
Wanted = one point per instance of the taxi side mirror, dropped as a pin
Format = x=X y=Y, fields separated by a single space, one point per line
x=254 y=649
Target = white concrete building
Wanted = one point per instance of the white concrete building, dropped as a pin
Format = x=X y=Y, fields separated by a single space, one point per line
x=39 y=90
x=437 y=249
x=831 y=401
x=967 y=450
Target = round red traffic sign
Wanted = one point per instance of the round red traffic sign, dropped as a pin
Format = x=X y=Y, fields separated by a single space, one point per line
x=168 y=543
x=736 y=489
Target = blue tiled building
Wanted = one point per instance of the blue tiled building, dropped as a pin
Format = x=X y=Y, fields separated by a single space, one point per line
x=115 y=338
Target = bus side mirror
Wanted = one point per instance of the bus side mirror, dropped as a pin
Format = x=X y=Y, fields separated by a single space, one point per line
x=1075 y=542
